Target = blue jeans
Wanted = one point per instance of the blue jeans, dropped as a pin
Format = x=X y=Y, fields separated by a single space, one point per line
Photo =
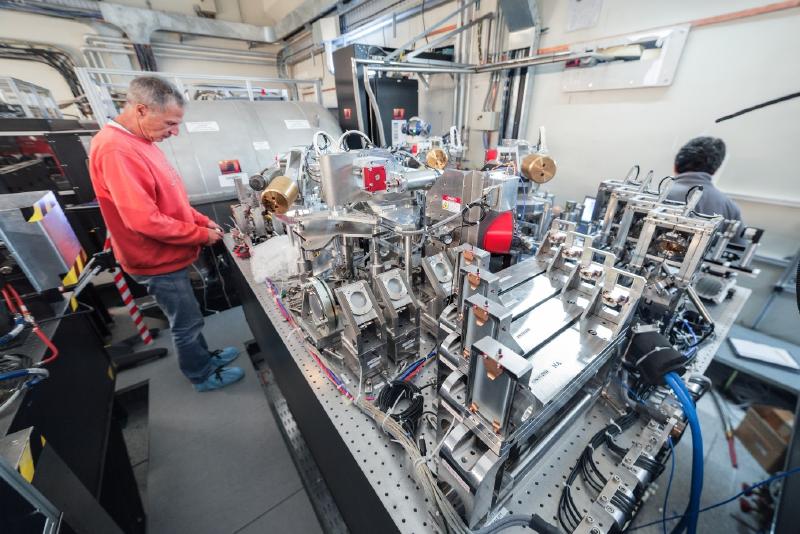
x=174 y=295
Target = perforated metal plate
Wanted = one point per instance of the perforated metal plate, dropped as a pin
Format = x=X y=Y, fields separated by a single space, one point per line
x=388 y=469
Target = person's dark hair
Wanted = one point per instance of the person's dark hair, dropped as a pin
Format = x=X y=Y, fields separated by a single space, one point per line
x=701 y=154
x=154 y=92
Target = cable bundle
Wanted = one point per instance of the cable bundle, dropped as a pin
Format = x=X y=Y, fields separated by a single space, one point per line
x=392 y=394
x=569 y=515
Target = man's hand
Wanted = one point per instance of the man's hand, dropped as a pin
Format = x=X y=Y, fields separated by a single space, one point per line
x=214 y=226
x=214 y=235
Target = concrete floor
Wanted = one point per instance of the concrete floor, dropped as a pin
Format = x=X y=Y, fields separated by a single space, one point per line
x=215 y=462
x=721 y=480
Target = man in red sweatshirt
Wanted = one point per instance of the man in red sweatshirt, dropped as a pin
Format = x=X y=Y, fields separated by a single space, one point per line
x=155 y=234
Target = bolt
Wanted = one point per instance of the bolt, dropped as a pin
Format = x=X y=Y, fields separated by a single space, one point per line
x=590 y=519
x=616 y=477
x=594 y=531
x=603 y=498
x=610 y=509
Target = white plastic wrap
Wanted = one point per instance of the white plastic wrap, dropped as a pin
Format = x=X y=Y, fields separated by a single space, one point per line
x=275 y=259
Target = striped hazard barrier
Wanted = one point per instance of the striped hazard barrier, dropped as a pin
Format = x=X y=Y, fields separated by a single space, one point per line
x=127 y=299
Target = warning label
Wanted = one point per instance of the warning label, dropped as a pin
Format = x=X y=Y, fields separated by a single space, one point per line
x=451 y=203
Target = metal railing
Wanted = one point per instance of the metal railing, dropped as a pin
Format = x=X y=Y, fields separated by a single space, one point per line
x=105 y=88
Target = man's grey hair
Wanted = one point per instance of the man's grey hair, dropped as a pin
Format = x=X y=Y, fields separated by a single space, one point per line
x=154 y=92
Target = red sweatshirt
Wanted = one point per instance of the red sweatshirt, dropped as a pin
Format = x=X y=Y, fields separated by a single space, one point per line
x=153 y=228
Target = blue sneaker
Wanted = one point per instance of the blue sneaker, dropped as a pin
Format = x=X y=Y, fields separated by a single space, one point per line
x=223 y=357
x=220 y=378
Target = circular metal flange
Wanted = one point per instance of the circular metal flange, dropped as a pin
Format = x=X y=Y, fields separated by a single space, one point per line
x=395 y=287
x=436 y=158
x=442 y=271
x=359 y=301
x=280 y=194
x=538 y=168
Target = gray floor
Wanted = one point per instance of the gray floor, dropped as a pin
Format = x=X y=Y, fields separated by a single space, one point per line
x=216 y=462
x=721 y=480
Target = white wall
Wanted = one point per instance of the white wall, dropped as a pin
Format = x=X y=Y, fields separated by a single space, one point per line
x=724 y=68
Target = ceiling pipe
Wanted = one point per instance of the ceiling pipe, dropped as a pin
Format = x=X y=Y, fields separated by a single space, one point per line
x=94 y=39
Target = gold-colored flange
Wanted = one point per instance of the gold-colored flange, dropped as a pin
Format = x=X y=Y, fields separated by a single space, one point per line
x=538 y=168
x=280 y=194
x=436 y=158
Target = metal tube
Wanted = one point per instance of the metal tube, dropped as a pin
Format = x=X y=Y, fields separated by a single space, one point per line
x=407 y=254
x=357 y=95
x=701 y=308
x=533 y=455
x=91 y=39
x=373 y=101
x=123 y=72
x=421 y=179
x=170 y=55
x=530 y=61
x=473 y=69
x=419 y=63
x=374 y=257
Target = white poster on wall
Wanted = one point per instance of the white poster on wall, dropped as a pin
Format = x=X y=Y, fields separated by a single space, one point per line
x=226 y=180
x=583 y=14
x=202 y=126
x=296 y=124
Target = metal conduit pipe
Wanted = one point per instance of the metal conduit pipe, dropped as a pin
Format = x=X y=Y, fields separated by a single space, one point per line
x=167 y=55
x=91 y=40
x=424 y=69
x=531 y=61
x=476 y=69
x=174 y=53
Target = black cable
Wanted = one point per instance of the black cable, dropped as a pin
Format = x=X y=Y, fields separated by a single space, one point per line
x=703 y=337
x=661 y=183
x=88 y=309
x=484 y=211
x=689 y=192
x=758 y=106
x=394 y=392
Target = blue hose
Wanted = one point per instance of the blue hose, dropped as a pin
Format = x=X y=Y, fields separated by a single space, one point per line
x=19 y=326
x=14 y=374
x=693 y=509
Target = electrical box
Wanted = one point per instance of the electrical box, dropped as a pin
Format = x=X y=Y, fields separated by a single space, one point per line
x=486 y=120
